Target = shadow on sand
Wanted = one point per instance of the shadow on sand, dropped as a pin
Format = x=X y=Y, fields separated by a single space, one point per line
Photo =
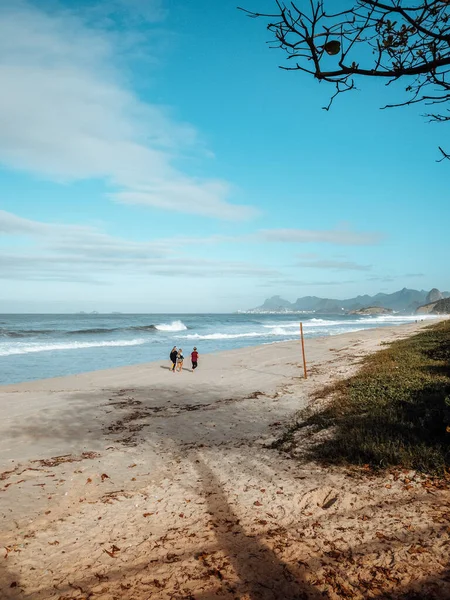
x=9 y=581
x=257 y=572
x=262 y=575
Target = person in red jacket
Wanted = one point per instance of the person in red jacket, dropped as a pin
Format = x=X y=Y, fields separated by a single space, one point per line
x=194 y=358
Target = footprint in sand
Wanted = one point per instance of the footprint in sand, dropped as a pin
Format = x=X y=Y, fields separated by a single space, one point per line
x=322 y=498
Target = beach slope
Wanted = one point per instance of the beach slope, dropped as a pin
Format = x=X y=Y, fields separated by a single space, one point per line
x=136 y=482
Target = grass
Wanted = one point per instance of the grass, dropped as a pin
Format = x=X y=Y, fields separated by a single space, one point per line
x=394 y=412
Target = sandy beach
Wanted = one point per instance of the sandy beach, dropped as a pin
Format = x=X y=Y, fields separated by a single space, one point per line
x=138 y=483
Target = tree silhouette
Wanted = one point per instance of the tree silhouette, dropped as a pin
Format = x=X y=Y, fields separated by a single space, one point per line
x=388 y=39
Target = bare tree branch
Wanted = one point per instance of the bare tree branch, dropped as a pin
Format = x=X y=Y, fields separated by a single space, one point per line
x=388 y=39
x=445 y=155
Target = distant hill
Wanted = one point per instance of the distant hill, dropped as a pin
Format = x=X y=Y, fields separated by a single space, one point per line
x=441 y=307
x=372 y=310
x=405 y=300
x=276 y=303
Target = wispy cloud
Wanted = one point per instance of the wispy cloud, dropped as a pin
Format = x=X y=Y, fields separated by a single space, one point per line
x=196 y=197
x=307 y=255
x=79 y=239
x=67 y=113
x=72 y=252
x=341 y=237
x=300 y=283
x=337 y=237
x=62 y=252
x=333 y=265
x=101 y=270
x=391 y=278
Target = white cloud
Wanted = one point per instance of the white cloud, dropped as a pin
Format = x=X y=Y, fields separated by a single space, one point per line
x=206 y=198
x=342 y=237
x=80 y=253
x=67 y=113
x=79 y=239
x=70 y=252
x=101 y=270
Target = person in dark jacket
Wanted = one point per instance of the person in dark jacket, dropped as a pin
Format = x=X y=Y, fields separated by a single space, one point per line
x=173 y=358
x=194 y=359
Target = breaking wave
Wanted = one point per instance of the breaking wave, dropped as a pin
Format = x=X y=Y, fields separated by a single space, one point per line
x=174 y=326
x=141 y=328
x=22 y=333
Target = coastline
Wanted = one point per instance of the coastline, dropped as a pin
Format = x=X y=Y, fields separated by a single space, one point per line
x=133 y=370
x=155 y=464
x=73 y=402
x=56 y=346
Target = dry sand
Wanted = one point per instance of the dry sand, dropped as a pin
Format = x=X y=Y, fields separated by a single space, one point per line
x=164 y=486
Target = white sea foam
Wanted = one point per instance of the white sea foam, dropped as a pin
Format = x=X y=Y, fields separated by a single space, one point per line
x=308 y=323
x=358 y=320
x=275 y=331
x=313 y=327
x=284 y=325
x=321 y=323
x=281 y=330
x=222 y=336
x=396 y=318
x=174 y=326
x=28 y=348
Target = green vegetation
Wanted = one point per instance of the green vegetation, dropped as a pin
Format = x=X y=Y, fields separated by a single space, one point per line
x=394 y=412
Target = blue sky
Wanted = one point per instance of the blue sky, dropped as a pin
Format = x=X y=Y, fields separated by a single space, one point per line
x=154 y=158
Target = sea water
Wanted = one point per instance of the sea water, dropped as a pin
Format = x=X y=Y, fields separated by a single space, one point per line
x=41 y=346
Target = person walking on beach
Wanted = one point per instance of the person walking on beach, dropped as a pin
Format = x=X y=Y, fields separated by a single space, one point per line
x=180 y=359
x=173 y=358
x=194 y=359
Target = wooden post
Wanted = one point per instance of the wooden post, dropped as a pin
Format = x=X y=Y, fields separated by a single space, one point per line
x=303 y=351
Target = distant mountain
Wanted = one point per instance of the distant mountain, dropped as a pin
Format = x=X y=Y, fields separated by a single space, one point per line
x=434 y=295
x=276 y=303
x=404 y=300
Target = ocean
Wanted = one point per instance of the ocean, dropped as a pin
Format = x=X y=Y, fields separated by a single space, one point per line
x=41 y=346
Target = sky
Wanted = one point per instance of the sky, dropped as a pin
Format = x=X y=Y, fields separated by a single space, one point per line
x=154 y=158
